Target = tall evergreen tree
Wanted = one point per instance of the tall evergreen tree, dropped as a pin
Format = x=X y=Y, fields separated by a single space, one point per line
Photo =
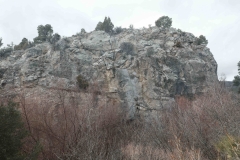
x=1 y=42
x=106 y=25
x=236 y=81
x=11 y=132
x=99 y=26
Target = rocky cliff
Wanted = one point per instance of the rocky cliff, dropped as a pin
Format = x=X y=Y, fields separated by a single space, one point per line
x=139 y=68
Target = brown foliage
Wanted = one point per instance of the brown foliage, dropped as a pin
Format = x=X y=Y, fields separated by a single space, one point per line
x=74 y=125
x=87 y=125
x=198 y=124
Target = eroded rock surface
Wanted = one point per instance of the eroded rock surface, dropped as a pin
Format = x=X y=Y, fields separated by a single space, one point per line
x=161 y=65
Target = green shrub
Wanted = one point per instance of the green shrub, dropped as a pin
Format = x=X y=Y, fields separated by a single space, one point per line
x=6 y=51
x=164 y=22
x=106 y=25
x=55 y=38
x=150 y=51
x=131 y=27
x=127 y=47
x=201 y=40
x=182 y=33
x=179 y=45
x=236 y=81
x=12 y=132
x=229 y=146
x=83 y=31
x=82 y=82
x=25 y=44
x=118 y=30
x=22 y=45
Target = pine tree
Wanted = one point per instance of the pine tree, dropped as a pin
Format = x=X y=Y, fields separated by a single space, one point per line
x=11 y=132
x=106 y=25
x=1 y=42
x=236 y=81
x=164 y=22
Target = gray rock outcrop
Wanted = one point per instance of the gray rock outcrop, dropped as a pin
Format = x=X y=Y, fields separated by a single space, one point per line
x=160 y=65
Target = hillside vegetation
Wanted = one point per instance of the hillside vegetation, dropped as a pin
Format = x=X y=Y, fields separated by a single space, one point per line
x=70 y=126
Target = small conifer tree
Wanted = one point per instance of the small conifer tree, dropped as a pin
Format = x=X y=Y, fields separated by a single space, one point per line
x=11 y=132
x=106 y=25
x=164 y=22
x=201 y=40
x=1 y=42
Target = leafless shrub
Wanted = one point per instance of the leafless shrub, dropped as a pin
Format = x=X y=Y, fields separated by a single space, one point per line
x=149 y=152
x=198 y=124
x=74 y=125
x=69 y=124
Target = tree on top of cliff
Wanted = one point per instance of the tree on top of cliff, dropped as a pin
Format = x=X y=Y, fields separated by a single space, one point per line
x=56 y=37
x=22 y=45
x=106 y=25
x=44 y=34
x=164 y=22
x=1 y=42
x=201 y=40
x=4 y=52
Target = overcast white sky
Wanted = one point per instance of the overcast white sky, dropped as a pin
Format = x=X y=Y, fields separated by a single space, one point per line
x=218 y=20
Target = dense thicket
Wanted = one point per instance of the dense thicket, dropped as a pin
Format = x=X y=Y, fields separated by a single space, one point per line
x=84 y=125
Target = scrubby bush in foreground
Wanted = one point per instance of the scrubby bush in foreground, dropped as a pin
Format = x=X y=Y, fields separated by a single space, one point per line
x=229 y=146
x=75 y=128
x=86 y=125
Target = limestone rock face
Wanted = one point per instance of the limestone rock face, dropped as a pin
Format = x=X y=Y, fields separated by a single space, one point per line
x=161 y=65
